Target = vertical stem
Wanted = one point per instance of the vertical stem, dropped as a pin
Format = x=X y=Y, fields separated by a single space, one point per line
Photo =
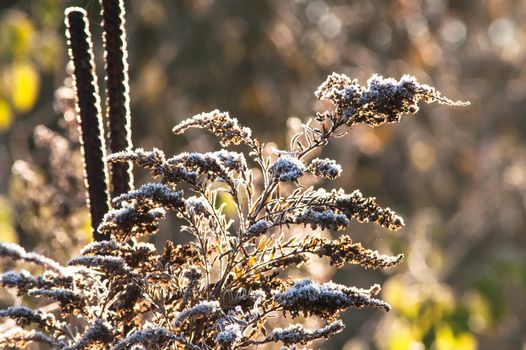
x=117 y=92
x=88 y=116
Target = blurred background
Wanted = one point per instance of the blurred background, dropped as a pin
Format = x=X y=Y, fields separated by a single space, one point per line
x=457 y=175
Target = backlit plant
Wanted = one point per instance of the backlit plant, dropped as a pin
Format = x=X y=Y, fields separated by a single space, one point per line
x=219 y=290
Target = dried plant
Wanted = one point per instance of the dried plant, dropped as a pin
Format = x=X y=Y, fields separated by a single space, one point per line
x=51 y=211
x=89 y=115
x=117 y=92
x=220 y=290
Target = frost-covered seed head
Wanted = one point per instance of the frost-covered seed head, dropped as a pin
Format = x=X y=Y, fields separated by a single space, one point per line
x=258 y=228
x=325 y=168
x=229 y=335
x=287 y=169
x=297 y=334
x=111 y=264
x=16 y=252
x=197 y=205
x=326 y=299
x=149 y=337
x=325 y=219
x=204 y=308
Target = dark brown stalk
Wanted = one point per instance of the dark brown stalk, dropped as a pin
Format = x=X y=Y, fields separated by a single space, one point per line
x=117 y=92
x=89 y=116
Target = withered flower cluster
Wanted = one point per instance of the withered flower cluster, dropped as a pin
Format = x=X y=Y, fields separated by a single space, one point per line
x=219 y=290
x=45 y=194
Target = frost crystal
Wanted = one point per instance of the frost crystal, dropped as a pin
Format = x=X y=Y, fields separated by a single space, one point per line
x=327 y=299
x=287 y=169
x=196 y=205
x=297 y=334
x=383 y=100
x=24 y=315
x=326 y=219
x=365 y=209
x=229 y=335
x=100 y=248
x=100 y=331
x=111 y=264
x=16 y=252
x=231 y=160
x=22 y=280
x=258 y=228
x=204 y=308
x=220 y=124
x=151 y=336
x=326 y=168
x=17 y=337
x=157 y=193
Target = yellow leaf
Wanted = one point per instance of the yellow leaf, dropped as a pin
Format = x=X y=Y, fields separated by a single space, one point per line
x=251 y=262
x=7 y=232
x=25 y=85
x=263 y=242
x=85 y=229
x=405 y=300
x=5 y=116
x=403 y=339
x=271 y=256
x=18 y=32
x=228 y=203
x=237 y=272
x=446 y=340
x=467 y=341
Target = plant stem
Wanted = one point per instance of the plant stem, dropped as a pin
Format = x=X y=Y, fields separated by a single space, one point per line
x=117 y=93
x=89 y=116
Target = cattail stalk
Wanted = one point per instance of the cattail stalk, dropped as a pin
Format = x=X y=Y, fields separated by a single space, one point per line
x=117 y=93
x=89 y=116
